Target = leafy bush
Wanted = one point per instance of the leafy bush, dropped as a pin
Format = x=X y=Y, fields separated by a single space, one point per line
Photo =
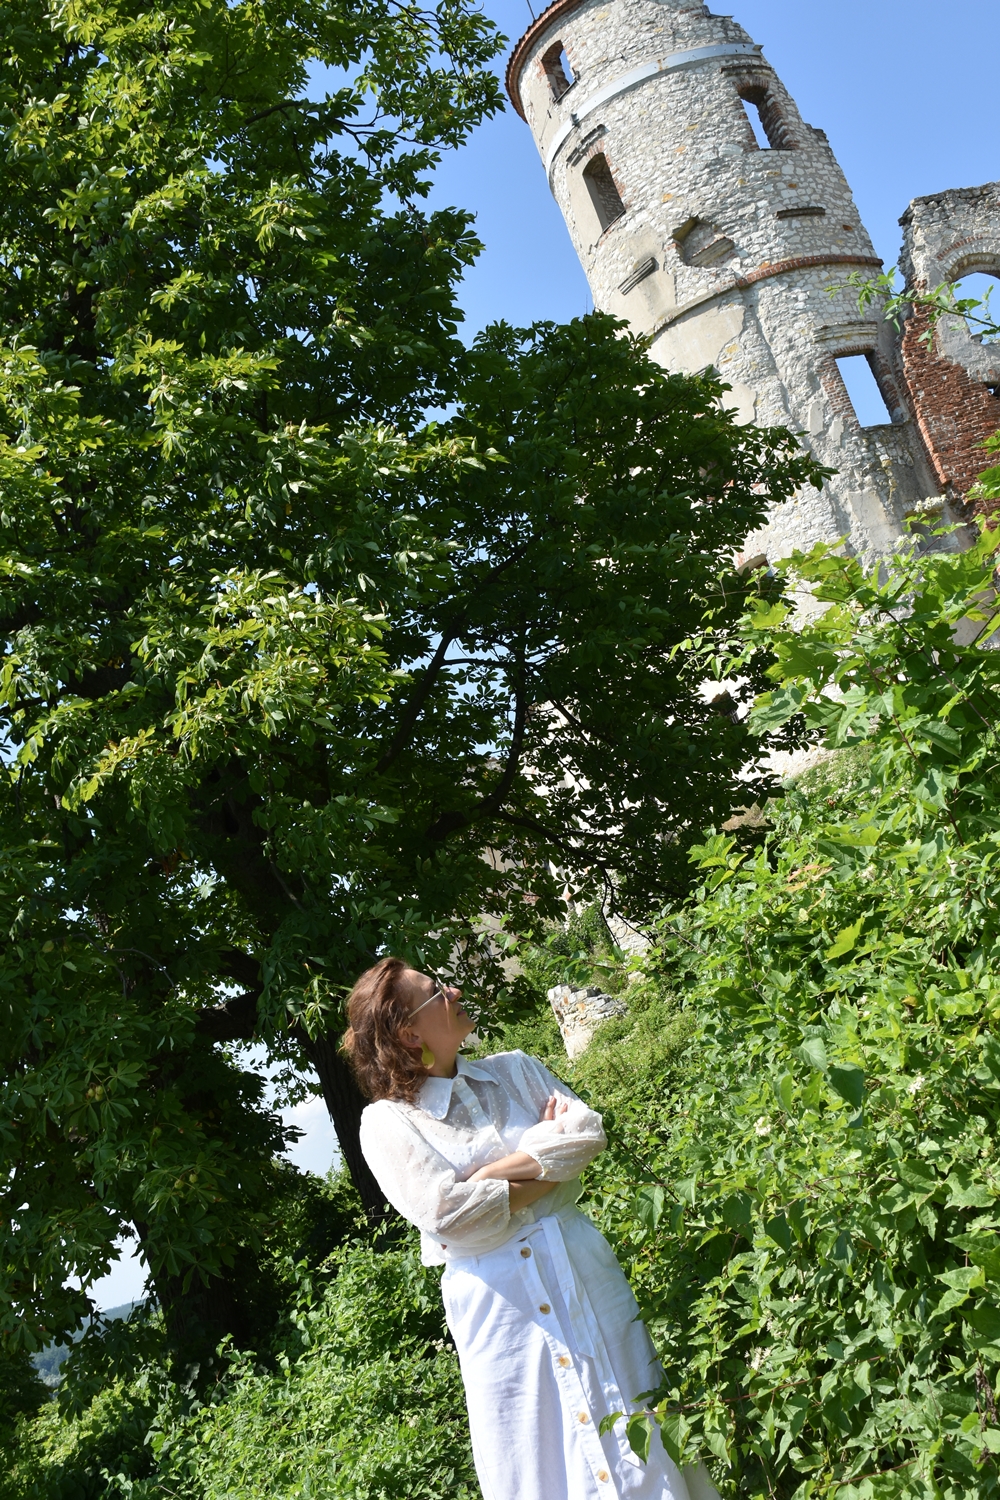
x=815 y=1240
x=367 y=1400
x=363 y=1398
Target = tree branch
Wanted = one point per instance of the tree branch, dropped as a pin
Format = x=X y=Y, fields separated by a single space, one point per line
x=274 y=108
x=243 y=967
x=414 y=707
x=449 y=823
x=233 y=1021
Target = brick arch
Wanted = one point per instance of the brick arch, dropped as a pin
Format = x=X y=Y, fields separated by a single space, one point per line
x=967 y=256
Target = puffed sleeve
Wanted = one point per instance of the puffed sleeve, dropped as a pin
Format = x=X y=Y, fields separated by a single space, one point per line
x=422 y=1186
x=563 y=1146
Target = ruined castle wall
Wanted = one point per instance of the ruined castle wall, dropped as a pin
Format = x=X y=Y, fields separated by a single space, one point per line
x=953 y=378
x=724 y=253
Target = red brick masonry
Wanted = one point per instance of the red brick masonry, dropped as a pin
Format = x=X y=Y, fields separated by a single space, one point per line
x=803 y=262
x=955 y=413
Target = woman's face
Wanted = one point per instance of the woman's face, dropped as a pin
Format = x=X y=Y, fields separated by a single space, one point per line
x=438 y=1019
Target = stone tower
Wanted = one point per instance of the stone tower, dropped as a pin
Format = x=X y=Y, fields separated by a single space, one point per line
x=707 y=213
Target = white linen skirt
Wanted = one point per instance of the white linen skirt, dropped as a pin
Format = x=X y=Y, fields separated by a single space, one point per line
x=549 y=1340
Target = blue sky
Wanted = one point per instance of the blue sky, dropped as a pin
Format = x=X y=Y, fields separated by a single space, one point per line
x=906 y=100
x=902 y=91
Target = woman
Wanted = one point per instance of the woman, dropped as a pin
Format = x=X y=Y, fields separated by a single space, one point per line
x=485 y=1159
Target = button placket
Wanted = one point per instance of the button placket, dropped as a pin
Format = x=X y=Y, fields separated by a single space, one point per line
x=472 y=1104
x=571 y=1391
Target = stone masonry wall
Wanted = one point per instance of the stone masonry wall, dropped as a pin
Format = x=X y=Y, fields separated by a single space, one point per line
x=955 y=380
x=725 y=253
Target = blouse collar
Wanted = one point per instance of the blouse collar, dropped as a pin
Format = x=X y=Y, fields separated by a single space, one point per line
x=435 y=1093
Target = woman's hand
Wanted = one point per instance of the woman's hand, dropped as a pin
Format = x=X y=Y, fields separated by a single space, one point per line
x=520 y=1167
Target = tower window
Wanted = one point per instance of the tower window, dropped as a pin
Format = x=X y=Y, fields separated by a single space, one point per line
x=603 y=193
x=864 y=390
x=764 y=117
x=557 y=69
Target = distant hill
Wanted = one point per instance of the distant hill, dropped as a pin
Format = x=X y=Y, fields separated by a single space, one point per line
x=48 y=1362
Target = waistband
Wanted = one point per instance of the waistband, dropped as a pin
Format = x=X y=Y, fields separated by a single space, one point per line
x=522 y=1232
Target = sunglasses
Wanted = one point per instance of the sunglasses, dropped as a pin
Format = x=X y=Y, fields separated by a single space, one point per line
x=439 y=994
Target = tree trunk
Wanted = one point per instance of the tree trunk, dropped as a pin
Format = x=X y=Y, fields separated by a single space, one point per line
x=345 y=1102
x=198 y=1317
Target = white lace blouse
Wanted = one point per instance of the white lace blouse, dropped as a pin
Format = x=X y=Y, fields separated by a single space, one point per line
x=422 y=1154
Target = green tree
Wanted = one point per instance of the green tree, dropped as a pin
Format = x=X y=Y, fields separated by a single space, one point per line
x=289 y=675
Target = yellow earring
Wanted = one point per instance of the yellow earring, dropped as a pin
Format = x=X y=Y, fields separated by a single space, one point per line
x=427 y=1056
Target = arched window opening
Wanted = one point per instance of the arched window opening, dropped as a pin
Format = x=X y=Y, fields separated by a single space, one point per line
x=861 y=382
x=981 y=287
x=558 y=70
x=764 y=117
x=603 y=193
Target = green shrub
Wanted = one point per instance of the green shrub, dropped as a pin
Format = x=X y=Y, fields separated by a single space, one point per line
x=814 y=1237
x=360 y=1396
x=803 y=1180
x=60 y=1458
x=367 y=1400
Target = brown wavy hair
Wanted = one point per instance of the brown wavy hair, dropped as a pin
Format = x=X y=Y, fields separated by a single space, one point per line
x=377 y=1011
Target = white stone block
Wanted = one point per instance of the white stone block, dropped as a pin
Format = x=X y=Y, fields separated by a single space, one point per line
x=580 y=1012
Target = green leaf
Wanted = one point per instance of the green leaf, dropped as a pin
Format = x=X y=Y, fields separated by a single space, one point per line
x=772 y=710
x=967 y=1189
x=737 y=1209
x=795 y=1213
x=848 y=1081
x=985 y=1320
x=983 y=1250
x=639 y=1431
x=777 y=1229
x=649 y=1205
x=685 y=1190
x=717 y=1444
x=842 y=1250
x=784 y=1087
x=813 y=1051
x=674 y=1430
x=846 y=939
x=942 y=735
x=917 y=1175
x=991 y=1055
x=963 y=1278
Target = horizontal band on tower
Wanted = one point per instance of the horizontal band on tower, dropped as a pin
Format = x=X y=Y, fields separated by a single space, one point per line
x=669 y=64
x=763 y=273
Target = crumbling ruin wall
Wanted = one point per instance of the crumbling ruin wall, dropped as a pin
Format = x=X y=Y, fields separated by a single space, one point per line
x=953 y=379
